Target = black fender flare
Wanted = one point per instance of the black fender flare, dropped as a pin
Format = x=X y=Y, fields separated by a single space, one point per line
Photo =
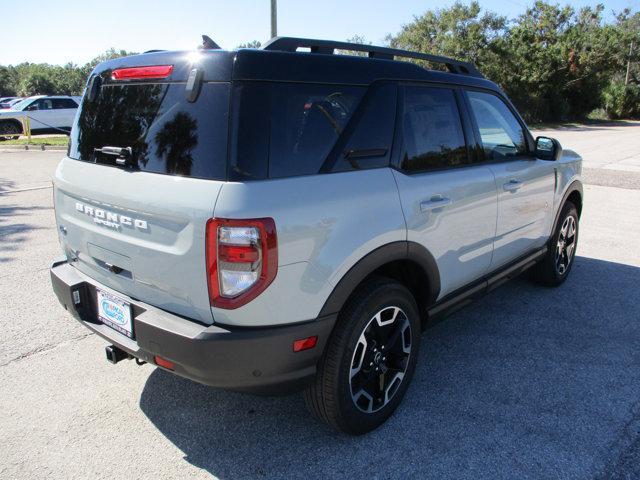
x=575 y=186
x=401 y=250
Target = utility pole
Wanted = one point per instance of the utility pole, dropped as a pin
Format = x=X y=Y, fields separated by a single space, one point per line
x=274 y=18
x=626 y=78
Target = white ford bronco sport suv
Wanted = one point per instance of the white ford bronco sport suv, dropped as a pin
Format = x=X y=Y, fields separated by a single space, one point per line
x=275 y=219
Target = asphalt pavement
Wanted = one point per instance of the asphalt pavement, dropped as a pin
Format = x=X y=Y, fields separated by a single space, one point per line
x=527 y=382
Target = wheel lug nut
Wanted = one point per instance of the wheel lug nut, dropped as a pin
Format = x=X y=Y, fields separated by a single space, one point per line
x=371 y=364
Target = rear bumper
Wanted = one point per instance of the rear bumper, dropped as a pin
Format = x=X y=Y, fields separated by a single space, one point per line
x=256 y=360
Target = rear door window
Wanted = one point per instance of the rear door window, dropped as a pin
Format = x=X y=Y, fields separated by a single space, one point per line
x=432 y=132
x=166 y=133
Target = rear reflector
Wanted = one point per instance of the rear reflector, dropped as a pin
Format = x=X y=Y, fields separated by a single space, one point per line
x=305 y=343
x=238 y=253
x=163 y=362
x=142 y=73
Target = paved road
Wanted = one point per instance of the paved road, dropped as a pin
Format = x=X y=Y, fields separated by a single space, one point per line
x=610 y=152
x=526 y=383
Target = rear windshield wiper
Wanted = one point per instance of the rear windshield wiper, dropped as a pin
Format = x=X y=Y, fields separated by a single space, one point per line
x=124 y=154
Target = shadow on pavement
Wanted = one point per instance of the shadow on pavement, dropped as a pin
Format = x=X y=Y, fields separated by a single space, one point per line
x=527 y=382
x=13 y=232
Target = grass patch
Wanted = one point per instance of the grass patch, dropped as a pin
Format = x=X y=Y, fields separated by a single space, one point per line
x=60 y=140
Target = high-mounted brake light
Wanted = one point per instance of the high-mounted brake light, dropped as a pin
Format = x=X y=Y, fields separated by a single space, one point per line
x=242 y=259
x=142 y=73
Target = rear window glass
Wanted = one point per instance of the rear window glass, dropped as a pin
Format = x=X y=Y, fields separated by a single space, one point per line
x=166 y=133
x=287 y=129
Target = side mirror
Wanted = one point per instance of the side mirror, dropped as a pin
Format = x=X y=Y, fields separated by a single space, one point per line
x=33 y=106
x=548 y=148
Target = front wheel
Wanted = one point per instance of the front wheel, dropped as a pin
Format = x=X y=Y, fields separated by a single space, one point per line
x=554 y=268
x=9 y=130
x=369 y=360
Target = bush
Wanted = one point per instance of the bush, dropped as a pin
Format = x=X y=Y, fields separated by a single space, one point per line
x=621 y=101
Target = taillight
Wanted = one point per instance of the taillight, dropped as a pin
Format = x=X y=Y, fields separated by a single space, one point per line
x=242 y=259
x=142 y=73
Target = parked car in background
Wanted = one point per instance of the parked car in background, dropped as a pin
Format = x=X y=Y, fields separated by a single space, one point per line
x=11 y=103
x=6 y=102
x=47 y=114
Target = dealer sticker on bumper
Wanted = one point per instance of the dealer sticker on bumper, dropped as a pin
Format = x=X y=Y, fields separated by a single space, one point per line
x=115 y=313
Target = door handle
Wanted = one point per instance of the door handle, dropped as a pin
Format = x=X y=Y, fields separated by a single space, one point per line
x=512 y=185
x=434 y=202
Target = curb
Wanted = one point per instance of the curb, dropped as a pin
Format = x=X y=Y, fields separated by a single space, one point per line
x=13 y=148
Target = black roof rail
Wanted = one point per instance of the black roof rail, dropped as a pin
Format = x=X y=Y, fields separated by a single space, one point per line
x=292 y=44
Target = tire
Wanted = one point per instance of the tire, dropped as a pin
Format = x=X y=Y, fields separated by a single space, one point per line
x=10 y=128
x=556 y=265
x=380 y=320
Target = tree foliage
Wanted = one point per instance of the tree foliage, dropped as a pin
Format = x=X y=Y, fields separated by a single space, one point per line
x=251 y=44
x=27 y=79
x=555 y=62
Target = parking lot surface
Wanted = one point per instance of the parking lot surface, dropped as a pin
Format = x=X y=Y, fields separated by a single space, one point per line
x=527 y=382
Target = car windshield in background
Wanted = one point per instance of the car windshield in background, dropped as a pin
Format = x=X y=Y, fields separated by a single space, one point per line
x=20 y=105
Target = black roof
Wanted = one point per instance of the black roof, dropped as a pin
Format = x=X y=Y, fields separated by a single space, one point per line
x=281 y=60
x=311 y=67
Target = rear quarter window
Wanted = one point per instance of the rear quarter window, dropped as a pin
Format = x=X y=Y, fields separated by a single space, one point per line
x=288 y=129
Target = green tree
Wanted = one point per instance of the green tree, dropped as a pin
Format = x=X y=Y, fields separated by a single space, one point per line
x=251 y=44
x=461 y=31
x=37 y=83
x=7 y=82
x=360 y=40
x=558 y=61
x=553 y=61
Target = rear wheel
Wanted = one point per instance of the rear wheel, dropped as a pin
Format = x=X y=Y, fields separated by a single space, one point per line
x=369 y=359
x=554 y=268
x=9 y=130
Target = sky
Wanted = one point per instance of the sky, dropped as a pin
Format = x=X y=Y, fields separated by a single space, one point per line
x=76 y=31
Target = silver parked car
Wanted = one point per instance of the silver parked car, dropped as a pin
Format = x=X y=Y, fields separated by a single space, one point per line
x=46 y=114
x=271 y=220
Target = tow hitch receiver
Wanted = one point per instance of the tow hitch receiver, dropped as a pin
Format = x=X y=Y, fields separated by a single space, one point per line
x=115 y=354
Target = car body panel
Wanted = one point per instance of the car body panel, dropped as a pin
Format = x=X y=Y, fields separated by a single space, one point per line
x=459 y=234
x=525 y=214
x=98 y=212
x=325 y=224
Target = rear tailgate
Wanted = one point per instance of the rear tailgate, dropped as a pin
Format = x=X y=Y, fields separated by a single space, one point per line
x=139 y=228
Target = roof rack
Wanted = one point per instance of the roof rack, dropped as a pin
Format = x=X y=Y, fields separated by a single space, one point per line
x=292 y=44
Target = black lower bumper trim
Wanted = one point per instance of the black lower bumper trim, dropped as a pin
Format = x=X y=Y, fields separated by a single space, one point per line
x=256 y=360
